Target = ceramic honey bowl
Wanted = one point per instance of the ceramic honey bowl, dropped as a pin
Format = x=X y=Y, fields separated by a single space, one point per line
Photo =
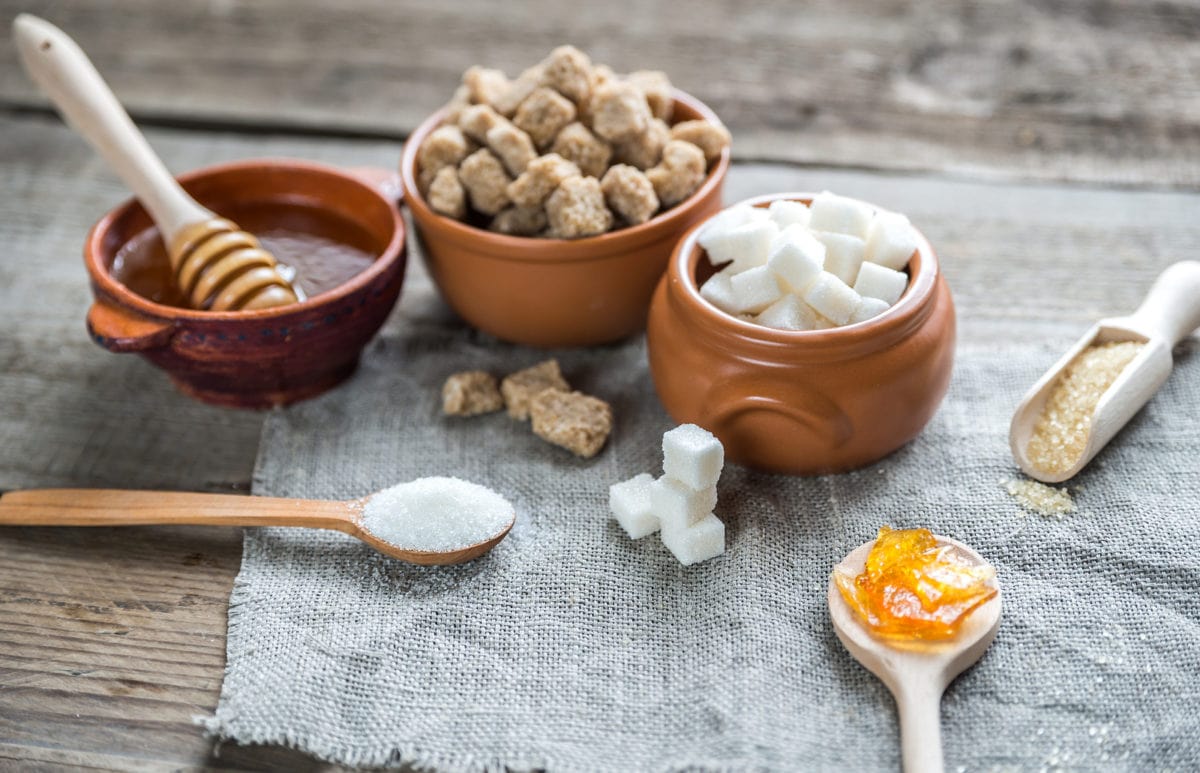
x=552 y=292
x=339 y=229
x=801 y=402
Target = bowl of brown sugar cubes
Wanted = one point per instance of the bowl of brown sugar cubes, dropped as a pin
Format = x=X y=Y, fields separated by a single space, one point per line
x=548 y=204
x=809 y=333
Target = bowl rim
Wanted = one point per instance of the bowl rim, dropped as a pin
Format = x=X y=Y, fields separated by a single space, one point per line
x=895 y=322
x=106 y=283
x=528 y=249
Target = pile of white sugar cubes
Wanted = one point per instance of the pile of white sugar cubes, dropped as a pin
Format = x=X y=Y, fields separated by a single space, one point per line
x=795 y=267
x=681 y=502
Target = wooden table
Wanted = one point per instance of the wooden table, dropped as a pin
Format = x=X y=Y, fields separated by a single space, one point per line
x=1035 y=141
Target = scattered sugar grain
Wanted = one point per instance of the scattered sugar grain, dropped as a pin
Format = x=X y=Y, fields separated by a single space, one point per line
x=436 y=514
x=1039 y=498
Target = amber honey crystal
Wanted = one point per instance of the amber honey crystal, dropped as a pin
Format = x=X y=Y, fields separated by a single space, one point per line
x=1061 y=432
x=913 y=588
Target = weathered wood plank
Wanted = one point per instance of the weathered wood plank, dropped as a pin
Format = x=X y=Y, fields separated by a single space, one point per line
x=1047 y=89
x=111 y=640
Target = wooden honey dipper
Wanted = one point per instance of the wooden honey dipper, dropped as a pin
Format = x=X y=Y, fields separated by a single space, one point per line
x=217 y=265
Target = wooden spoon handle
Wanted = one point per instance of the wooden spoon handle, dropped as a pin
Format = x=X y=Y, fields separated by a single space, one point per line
x=67 y=76
x=1172 y=307
x=105 y=507
x=919 y=699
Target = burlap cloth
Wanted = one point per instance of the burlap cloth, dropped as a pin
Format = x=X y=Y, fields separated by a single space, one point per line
x=572 y=648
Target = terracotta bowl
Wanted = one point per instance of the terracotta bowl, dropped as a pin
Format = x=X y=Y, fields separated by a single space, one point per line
x=254 y=359
x=805 y=402
x=553 y=292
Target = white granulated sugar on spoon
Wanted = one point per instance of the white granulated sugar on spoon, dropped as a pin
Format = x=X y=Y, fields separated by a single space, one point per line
x=436 y=514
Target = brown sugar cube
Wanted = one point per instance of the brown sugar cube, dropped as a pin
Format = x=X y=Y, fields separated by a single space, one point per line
x=521 y=387
x=540 y=178
x=568 y=71
x=445 y=146
x=577 y=143
x=471 y=393
x=709 y=137
x=543 y=113
x=657 y=87
x=446 y=195
x=485 y=86
x=477 y=120
x=619 y=111
x=629 y=193
x=508 y=102
x=576 y=209
x=644 y=150
x=679 y=174
x=458 y=103
x=486 y=182
x=513 y=146
x=520 y=221
x=577 y=422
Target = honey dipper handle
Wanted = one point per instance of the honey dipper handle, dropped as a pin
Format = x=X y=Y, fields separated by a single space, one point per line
x=1172 y=307
x=106 y=507
x=67 y=76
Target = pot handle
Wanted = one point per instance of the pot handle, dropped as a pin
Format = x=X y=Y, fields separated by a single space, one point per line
x=388 y=182
x=119 y=330
x=818 y=414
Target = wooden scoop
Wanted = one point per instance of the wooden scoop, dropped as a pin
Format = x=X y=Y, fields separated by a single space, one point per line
x=216 y=265
x=919 y=673
x=1169 y=313
x=100 y=507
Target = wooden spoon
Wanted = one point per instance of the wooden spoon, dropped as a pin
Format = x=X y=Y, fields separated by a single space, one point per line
x=101 y=507
x=918 y=673
x=1170 y=312
x=216 y=265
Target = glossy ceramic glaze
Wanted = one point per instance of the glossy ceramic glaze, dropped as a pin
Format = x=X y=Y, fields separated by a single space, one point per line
x=256 y=359
x=805 y=402
x=551 y=292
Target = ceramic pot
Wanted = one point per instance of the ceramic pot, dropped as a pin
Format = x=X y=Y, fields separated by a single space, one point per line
x=801 y=402
x=553 y=292
x=255 y=359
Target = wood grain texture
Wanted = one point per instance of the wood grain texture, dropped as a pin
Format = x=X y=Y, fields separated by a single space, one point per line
x=111 y=640
x=1100 y=91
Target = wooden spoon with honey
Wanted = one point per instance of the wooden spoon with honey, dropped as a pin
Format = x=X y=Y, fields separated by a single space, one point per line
x=916 y=672
x=101 y=507
x=217 y=266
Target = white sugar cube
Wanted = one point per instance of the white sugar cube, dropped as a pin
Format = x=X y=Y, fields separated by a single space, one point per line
x=833 y=298
x=798 y=259
x=868 y=309
x=678 y=504
x=839 y=214
x=726 y=219
x=693 y=456
x=875 y=281
x=699 y=542
x=824 y=323
x=755 y=289
x=891 y=241
x=786 y=213
x=788 y=313
x=718 y=291
x=630 y=505
x=843 y=254
x=746 y=245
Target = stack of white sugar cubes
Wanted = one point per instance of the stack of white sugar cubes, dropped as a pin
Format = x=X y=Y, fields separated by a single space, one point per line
x=795 y=267
x=681 y=502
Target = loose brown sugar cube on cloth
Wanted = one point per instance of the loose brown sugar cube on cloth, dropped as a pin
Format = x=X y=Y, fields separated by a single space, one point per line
x=470 y=393
x=577 y=422
x=521 y=387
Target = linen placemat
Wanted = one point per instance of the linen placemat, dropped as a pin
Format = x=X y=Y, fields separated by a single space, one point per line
x=572 y=648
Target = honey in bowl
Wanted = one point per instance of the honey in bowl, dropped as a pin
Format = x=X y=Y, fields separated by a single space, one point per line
x=913 y=588
x=323 y=248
